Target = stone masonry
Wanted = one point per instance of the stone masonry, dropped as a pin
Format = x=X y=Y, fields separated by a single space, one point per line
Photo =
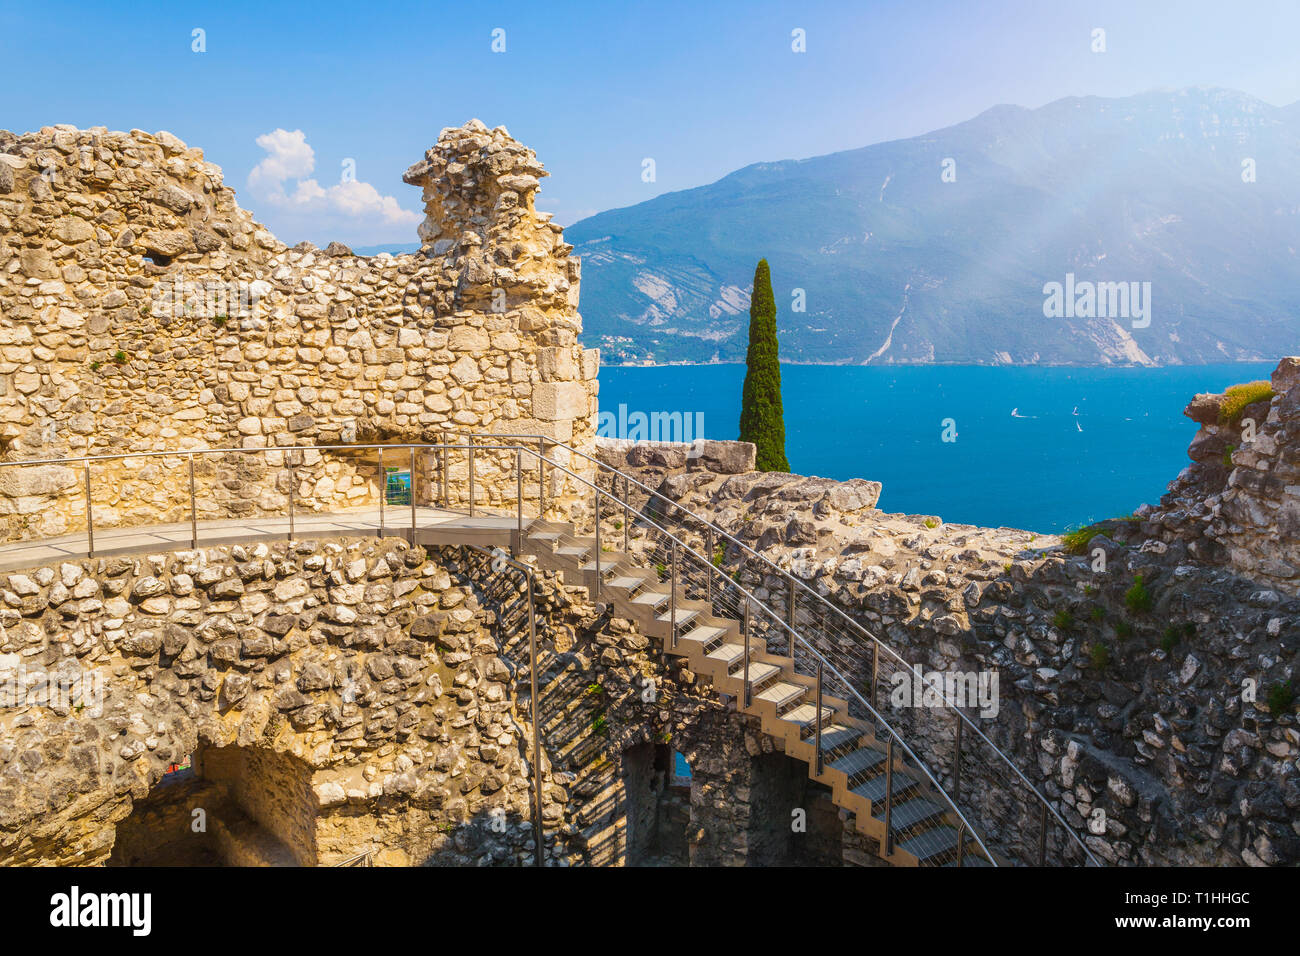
x=361 y=696
x=141 y=308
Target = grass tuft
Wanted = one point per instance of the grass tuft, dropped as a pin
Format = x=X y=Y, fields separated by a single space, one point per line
x=1076 y=540
x=1281 y=698
x=1237 y=397
x=1138 y=598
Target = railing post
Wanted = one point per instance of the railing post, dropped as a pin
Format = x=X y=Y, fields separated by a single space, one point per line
x=889 y=796
x=446 y=483
x=383 y=489
x=194 y=517
x=961 y=842
x=744 y=639
x=817 y=714
x=708 y=553
x=956 y=767
x=1042 y=837
x=596 y=591
x=471 y=477
x=627 y=517
x=90 y=515
x=519 y=499
x=875 y=672
x=541 y=479
x=537 y=727
x=293 y=488
x=412 y=494
x=789 y=613
x=672 y=595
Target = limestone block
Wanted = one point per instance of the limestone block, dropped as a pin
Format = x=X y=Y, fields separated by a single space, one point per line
x=555 y=401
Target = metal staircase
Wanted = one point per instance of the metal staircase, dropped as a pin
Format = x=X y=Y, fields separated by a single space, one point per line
x=892 y=799
x=811 y=674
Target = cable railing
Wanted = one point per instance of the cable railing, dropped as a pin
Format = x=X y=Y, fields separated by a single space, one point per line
x=1031 y=825
x=822 y=643
x=680 y=565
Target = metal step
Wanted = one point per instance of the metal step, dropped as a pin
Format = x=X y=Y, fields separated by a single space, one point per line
x=930 y=844
x=805 y=715
x=683 y=615
x=837 y=735
x=914 y=811
x=726 y=654
x=874 y=789
x=758 y=672
x=624 y=582
x=706 y=634
x=781 y=694
x=860 y=761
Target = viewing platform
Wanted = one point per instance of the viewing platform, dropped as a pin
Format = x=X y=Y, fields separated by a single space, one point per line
x=433 y=526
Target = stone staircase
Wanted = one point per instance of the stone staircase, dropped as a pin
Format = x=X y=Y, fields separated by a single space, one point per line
x=858 y=767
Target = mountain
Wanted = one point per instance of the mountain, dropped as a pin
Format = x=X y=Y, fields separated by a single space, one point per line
x=392 y=248
x=899 y=266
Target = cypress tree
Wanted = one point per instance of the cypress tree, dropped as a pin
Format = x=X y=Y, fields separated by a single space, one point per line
x=761 y=418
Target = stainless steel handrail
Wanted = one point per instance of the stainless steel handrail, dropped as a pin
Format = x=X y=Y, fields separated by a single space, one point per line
x=680 y=545
x=824 y=604
x=541 y=441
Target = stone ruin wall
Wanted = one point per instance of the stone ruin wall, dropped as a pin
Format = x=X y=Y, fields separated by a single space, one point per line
x=1158 y=733
x=362 y=696
x=1238 y=502
x=141 y=308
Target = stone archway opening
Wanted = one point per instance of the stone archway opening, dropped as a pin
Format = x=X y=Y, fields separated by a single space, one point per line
x=231 y=806
x=793 y=820
x=657 y=801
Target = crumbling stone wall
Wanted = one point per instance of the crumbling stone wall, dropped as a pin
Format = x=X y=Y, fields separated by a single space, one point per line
x=357 y=660
x=141 y=308
x=1238 y=503
x=341 y=697
x=273 y=789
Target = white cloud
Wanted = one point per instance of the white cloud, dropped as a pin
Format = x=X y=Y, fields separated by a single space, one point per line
x=344 y=205
x=287 y=156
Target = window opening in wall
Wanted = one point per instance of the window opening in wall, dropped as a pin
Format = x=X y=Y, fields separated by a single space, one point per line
x=680 y=775
x=397 y=486
x=183 y=769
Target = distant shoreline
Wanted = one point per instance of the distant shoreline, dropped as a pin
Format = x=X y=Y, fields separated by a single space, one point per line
x=896 y=365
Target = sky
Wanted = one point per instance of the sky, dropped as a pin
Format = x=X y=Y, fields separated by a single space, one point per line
x=315 y=110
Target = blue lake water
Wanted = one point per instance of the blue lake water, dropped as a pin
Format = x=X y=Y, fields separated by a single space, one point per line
x=1046 y=471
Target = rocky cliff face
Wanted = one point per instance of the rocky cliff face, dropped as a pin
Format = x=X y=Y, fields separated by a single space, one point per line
x=939 y=248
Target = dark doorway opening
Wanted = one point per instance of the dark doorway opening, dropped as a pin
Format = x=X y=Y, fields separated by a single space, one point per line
x=658 y=806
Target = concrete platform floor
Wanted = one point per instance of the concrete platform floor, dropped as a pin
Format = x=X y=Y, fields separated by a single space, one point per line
x=433 y=526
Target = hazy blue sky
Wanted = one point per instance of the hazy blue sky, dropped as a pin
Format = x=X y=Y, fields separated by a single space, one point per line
x=595 y=87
